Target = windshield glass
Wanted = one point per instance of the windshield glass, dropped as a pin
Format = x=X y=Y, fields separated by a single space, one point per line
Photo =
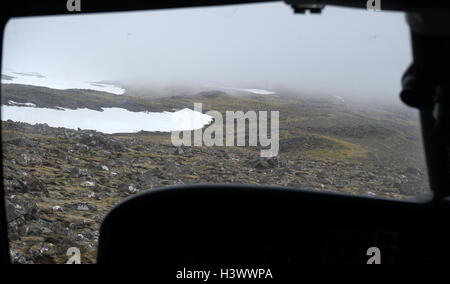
x=96 y=108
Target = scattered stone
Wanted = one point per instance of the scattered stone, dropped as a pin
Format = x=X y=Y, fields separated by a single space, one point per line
x=78 y=172
x=30 y=183
x=412 y=171
x=264 y=163
x=179 y=151
x=88 y=184
x=82 y=206
x=56 y=208
x=128 y=188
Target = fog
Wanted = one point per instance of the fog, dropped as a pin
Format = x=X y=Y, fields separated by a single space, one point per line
x=343 y=52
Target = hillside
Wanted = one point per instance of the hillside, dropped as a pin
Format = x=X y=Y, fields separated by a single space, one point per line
x=60 y=183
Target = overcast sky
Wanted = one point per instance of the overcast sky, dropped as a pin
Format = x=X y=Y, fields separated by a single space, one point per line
x=342 y=52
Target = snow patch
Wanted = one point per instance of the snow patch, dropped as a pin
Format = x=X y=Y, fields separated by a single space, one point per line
x=339 y=98
x=253 y=91
x=36 y=79
x=110 y=120
x=21 y=104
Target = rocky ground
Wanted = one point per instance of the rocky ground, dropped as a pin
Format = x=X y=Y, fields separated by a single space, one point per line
x=60 y=183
